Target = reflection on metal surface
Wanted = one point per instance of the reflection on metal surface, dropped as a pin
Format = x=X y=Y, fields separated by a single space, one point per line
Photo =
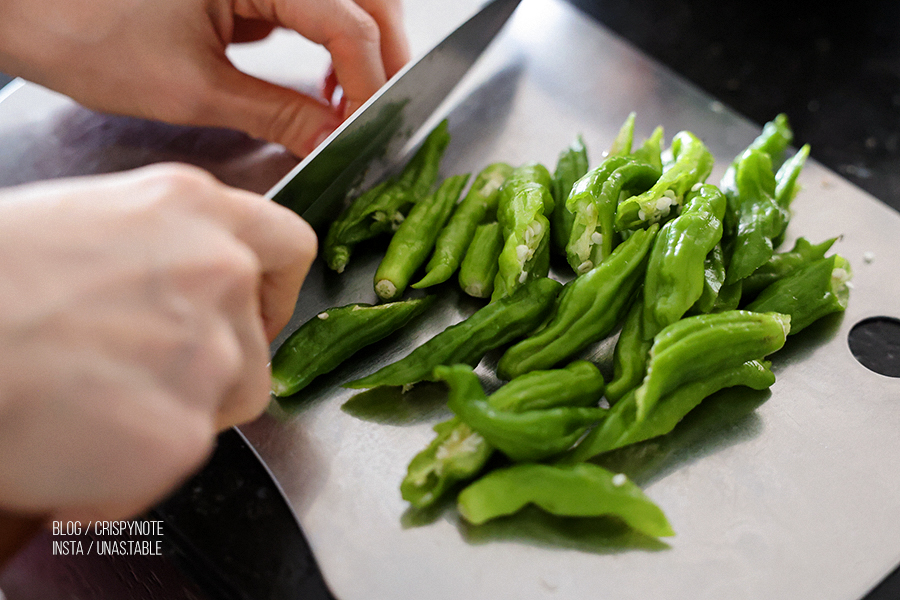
x=381 y=128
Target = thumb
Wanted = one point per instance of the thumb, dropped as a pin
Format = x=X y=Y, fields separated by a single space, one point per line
x=270 y=112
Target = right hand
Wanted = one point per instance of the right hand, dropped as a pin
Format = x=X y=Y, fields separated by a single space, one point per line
x=166 y=59
x=137 y=313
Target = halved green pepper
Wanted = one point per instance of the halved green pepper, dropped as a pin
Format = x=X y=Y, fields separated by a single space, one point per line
x=458 y=453
x=522 y=435
x=331 y=337
x=808 y=294
x=581 y=490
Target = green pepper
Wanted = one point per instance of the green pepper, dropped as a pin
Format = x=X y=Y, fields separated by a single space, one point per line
x=571 y=165
x=478 y=206
x=490 y=327
x=331 y=337
x=713 y=279
x=589 y=308
x=622 y=426
x=691 y=164
x=783 y=264
x=697 y=347
x=625 y=138
x=760 y=218
x=352 y=227
x=525 y=201
x=524 y=435
x=383 y=209
x=676 y=269
x=581 y=490
x=594 y=199
x=774 y=139
x=808 y=294
x=631 y=353
x=787 y=175
x=458 y=453
x=580 y=383
x=479 y=267
x=415 y=238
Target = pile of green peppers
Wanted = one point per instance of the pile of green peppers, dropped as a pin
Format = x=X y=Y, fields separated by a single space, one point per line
x=686 y=277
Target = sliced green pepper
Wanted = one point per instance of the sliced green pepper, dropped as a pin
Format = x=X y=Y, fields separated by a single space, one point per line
x=760 y=218
x=458 y=453
x=625 y=138
x=787 y=175
x=589 y=308
x=581 y=490
x=522 y=435
x=570 y=167
x=382 y=211
x=783 y=264
x=697 y=347
x=808 y=294
x=631 y=353
x=481 y=263
x=774 y=139
x=331 y=337
x=622 y=426
x=467 y=342
x=524 y=205
x=415 y=238
x=691 y=164
x=676 y=269
x=713 y=279
x=478 y=206
x=594 y=199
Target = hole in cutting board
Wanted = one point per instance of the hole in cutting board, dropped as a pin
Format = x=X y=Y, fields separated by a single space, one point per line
x=875 y=344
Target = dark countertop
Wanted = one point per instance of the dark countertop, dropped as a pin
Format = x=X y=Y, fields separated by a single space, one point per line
x=834 y=69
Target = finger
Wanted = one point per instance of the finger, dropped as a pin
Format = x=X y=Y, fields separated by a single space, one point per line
x=249 y=394
x=394 y=42
x=282 y=243
x=267 y=111
x=286 y=247
x=347 y=31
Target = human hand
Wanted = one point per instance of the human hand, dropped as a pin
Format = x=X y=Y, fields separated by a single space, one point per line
x=165 y=59
x=137 y=312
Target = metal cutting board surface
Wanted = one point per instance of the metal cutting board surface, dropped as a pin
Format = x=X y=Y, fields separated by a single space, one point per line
x=792 y=494
x=795 y=494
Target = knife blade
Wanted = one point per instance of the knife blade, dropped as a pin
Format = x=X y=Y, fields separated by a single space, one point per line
x=388 y=120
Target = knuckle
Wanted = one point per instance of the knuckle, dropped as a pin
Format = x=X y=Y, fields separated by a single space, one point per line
x=238 y=268
x=365 y=28
x=359 y=29
x=176 y=181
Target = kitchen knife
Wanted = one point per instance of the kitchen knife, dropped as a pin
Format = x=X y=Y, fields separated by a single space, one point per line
x=387 y=121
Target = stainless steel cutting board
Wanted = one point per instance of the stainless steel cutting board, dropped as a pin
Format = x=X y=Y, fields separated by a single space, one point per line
x=795 y=494
x=792 y=494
